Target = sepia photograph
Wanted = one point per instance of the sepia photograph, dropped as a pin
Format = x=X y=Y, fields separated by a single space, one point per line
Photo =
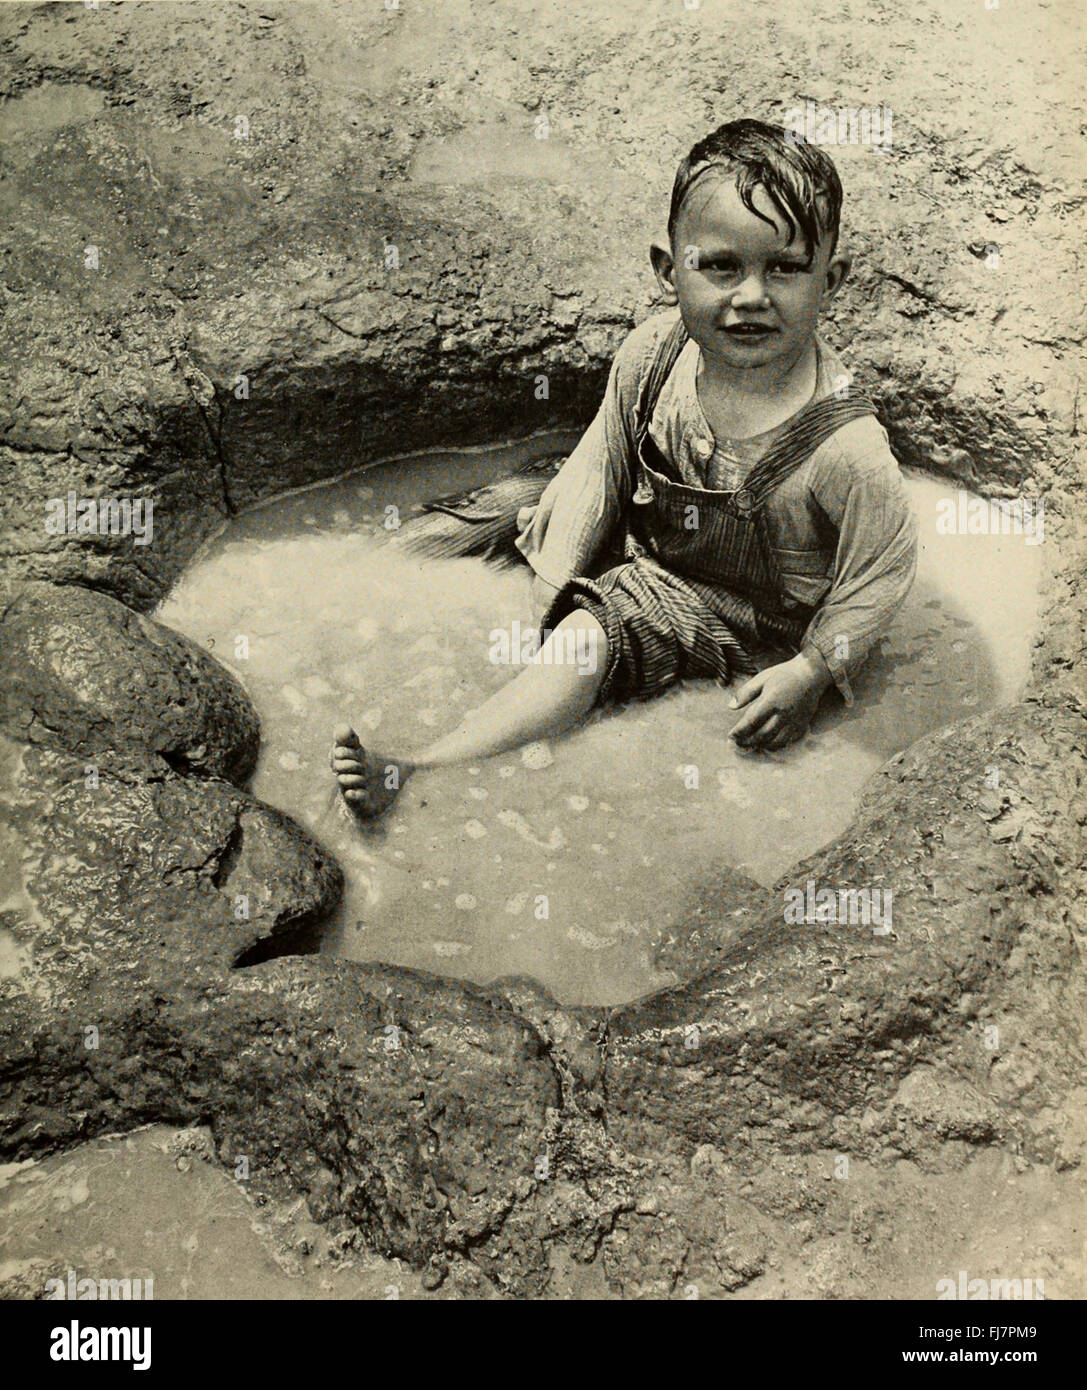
x=542 y=665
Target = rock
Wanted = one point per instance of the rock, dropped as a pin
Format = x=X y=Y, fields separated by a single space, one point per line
x=85 y=673
x=769 y=1017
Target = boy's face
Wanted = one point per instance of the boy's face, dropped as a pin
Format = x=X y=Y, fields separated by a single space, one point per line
x=746 y=297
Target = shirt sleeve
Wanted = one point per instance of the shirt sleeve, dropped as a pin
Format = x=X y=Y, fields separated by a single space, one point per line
x=865 y=500
x=584 y=503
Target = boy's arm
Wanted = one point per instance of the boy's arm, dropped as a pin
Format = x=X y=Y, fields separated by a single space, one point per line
x=874 y=566
x=865 y=500
x=584 y=503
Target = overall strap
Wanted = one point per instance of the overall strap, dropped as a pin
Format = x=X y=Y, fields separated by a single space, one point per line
x=812 y=427
x=667 y=355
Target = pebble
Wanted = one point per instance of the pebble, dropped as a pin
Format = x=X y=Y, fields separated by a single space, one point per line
x=578 y=803
x=475 y=829
x=450 y=948
x=290 y=761
x=478 y=793
x=465 y=902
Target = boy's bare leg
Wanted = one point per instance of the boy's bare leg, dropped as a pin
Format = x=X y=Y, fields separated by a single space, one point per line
x=546 y=698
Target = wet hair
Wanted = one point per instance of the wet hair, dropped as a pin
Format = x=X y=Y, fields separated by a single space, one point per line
x=798 y=178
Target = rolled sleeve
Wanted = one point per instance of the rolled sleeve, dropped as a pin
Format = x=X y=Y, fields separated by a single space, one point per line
x=580 y=511
x=874 y=567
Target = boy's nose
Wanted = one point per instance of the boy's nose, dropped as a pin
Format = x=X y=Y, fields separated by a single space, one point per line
x=751 y=294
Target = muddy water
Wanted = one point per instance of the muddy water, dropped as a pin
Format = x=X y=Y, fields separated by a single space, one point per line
x=566 y=862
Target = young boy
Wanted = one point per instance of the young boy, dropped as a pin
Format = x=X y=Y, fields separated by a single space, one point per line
x=732 y=501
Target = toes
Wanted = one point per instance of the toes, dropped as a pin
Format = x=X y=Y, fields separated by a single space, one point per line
x=346 y=737
x=345 y=762
x=347 y=779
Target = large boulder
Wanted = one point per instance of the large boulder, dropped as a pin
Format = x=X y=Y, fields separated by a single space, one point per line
x=83 y=672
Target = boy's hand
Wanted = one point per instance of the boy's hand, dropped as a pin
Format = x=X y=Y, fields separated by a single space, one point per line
x=780 y=703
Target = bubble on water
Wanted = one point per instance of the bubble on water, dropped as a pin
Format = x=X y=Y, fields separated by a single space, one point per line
x=624 y=927
x=290 y=761
x=517 y=903
x=350 y=677
x=317 y=688
x=783 y=813
x=475 y=829
x=478 y=793
x=294 y=697
x=429 y=675
x=589 y=939
x=465 y=902
x=578 y=803
x=450 y=948
x=537 y=756
x=513 y=820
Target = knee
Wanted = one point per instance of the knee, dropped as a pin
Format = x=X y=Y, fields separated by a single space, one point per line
x=579 y=640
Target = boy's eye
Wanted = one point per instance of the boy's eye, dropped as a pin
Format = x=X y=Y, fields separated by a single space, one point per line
x=788 y=268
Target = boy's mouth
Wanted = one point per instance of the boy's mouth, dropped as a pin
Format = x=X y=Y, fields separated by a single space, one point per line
x=748 y=332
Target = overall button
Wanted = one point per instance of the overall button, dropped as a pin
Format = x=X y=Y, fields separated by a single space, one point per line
x=743 y=500
x=703 y=448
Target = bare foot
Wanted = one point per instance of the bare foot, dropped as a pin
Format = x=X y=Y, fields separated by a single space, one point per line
x=369 y=783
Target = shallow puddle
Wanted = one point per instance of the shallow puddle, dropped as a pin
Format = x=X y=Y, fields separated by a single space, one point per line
x=569 y=862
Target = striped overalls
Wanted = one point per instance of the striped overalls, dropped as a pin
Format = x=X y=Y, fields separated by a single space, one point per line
x=698 y=591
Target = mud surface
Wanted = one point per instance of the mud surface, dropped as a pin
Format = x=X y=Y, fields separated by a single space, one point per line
x=204 y=313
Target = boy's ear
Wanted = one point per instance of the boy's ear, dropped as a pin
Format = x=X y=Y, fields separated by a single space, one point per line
x=838 y=268
x=664 y=268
